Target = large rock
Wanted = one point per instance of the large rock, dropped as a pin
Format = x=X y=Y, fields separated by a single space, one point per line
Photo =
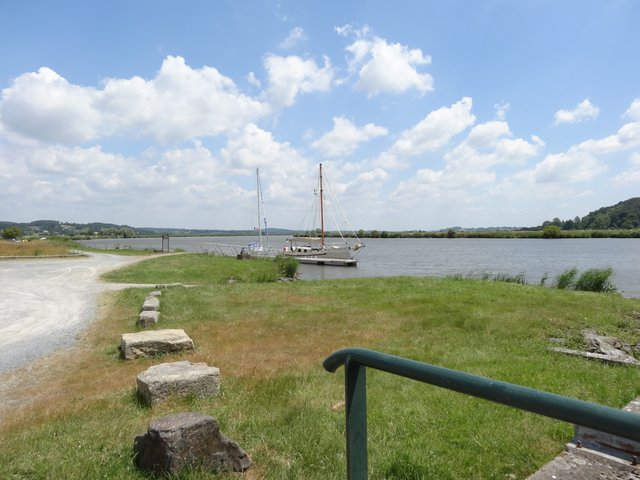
x=148 y=318
x=606 y=345
x=151 y=303
x=185 y=441
x=153 y=342
x=178 y=379
x=607 y=349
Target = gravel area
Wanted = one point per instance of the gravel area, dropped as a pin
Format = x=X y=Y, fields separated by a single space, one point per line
x=45 y=303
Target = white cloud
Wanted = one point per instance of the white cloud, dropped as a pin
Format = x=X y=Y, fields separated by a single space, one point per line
x=44 y=106
x=295 y=36
x=571 y=167
x=487 y=134
x=180 y=103
x=253 y=80
x=363 y=192
x=436 y=129
x=633 y=112
x=346 y=137
x=350 y=29
x=537 y=140
x=630 y=176
x=387 y=67
x=375 y=175
x=284 y=168
x=627 y=137
x=89 y=184
x=292 y=75
x=59 y=174
x=469 y=166
x=432 y=133
x=581 y=162
x=585 y=110
x=501 y=110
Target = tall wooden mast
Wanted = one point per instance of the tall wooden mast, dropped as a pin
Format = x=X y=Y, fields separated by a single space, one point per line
x=258 y=196
x=321 y=208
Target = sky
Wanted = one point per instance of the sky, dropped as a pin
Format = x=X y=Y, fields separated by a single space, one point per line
x=425 y=114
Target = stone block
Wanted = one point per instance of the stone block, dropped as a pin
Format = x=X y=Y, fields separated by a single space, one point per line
x=148 y=318
x=181 y=379
x=151 y=303
x=186 y=441
x=169 y=285
x=155 y=293
x=153 y=342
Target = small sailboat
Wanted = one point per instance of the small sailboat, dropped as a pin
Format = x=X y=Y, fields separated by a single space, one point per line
x=318 y=250
x=261 y=248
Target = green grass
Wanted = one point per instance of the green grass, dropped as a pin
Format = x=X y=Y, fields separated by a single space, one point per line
x=197 y=268
x=278 y=403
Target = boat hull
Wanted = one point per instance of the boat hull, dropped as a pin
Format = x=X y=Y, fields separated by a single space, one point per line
x=311 y=251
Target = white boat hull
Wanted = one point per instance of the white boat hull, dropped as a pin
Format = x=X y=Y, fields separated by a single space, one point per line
x=309 y=250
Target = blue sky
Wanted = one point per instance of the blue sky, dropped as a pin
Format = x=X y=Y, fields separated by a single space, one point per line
x=426 y=115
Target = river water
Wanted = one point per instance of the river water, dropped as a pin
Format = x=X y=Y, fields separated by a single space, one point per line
x=441 y=257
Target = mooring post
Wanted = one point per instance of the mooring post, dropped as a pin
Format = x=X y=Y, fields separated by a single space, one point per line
x=356 y=418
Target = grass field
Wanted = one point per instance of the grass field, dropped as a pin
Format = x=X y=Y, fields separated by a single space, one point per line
x=56 y=246
x=269 y=340
x=34 y=248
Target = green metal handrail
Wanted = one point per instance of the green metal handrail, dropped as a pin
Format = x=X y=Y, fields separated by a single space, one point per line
x=355 y=360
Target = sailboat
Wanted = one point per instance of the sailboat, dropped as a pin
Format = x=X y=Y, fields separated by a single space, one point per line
x=261 y=248
x=317 y=250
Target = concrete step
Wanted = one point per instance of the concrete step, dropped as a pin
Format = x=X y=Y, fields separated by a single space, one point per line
x=595 y=455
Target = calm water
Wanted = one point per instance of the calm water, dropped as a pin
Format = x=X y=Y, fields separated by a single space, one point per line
x=441 y=257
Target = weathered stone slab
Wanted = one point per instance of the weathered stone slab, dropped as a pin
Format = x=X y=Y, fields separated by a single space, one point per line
x=185 y=441
x=607 y=349
x=155 y=293
x=153 y=342
x=169 y=285
x=626 y=360
x=151 y=303
x=181 y=379
x=148 y=318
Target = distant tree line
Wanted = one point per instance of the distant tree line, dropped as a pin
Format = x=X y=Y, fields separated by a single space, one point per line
x=621 y=216
x=620 y=221
x=551 y=231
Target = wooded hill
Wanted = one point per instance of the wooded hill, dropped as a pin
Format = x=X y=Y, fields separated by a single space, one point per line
x=623 y=215
x=110 y=230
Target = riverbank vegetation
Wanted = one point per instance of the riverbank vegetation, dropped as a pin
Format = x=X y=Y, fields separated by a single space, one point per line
x=591 y=280
x=35 y=248
x=75 y=416
x=203 y=269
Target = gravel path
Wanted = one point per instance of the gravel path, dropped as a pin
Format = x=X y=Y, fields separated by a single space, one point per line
x=45 y=303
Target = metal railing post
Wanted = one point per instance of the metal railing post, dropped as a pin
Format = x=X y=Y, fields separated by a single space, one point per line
x=356 y=360
x=356 y=417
